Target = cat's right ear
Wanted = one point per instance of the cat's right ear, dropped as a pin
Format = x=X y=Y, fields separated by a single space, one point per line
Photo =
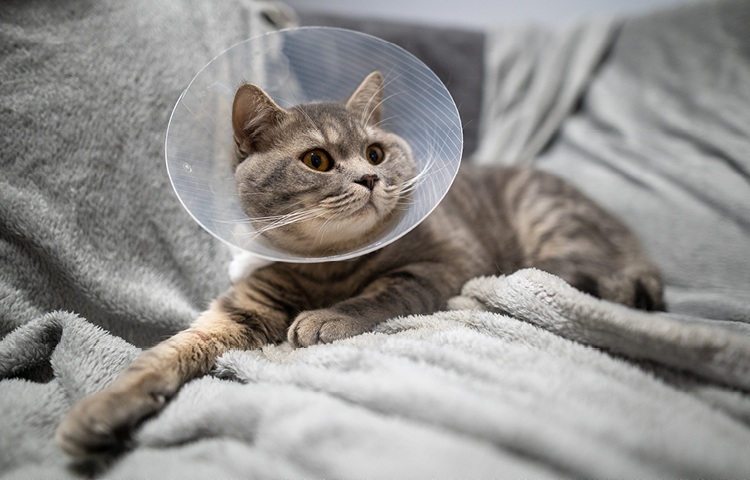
x=367 y=100
x=253 y=112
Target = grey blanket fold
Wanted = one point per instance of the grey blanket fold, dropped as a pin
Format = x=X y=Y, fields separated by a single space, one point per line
x=701 y=347
x=522 y=377
x=534 y=79
x=661 y=140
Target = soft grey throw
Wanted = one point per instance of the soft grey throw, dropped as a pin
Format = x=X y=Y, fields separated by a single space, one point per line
x=522 y=377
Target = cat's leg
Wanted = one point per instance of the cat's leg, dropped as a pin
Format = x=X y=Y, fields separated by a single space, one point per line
x=413 y=289
x=102 y=421
x=612 y=268
x=565 y=233
x=637 y=284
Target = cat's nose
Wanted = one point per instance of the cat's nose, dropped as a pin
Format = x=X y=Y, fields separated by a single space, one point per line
x=368 y=181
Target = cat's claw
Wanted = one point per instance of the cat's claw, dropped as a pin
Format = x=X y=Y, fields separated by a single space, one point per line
x=323 y=326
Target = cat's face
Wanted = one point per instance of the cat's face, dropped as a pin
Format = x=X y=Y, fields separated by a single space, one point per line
x=319 y=178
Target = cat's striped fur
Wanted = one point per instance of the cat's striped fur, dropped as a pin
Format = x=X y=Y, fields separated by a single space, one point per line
x=493 y=221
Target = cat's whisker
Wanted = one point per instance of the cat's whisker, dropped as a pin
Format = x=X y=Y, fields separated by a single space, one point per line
x=293 y=216
x=310 y=215
x=344 y=207
x=367 y=106
x=271 y=218
x=253 y=220
x=319 y=234
x=377 y=92
x=383 y=121
x=314 y=125
x=290 y=206
x=390 y=78
x=296 y=106
x=419 y=179
x=415 y=181
x=367 y=120
x=427 y=171
x=294 y=101
x=385 y=84
x=333 y=202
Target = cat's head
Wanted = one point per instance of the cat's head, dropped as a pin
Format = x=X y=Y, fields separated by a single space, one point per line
x=320 y=177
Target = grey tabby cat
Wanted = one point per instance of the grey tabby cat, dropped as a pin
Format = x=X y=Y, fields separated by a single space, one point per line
x=339 y=179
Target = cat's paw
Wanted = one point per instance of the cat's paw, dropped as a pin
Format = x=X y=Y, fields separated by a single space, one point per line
x=323 y=326
x=101 y=423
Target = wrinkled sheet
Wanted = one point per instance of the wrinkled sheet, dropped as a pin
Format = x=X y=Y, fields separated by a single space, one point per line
x=521 y=376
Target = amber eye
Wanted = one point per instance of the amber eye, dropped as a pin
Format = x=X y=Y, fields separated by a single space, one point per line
x=375 y=154
x=317 y=160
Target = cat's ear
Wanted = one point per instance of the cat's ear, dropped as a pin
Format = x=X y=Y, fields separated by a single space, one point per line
x=253 y=112
x=367 y=100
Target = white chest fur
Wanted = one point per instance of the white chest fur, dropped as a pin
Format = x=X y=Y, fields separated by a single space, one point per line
x=244 y=263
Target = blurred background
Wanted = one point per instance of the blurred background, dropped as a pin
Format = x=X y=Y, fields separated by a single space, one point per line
x=449 y=36
x=480 y=14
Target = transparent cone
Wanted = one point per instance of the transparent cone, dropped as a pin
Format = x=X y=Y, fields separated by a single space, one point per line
x=304 y=65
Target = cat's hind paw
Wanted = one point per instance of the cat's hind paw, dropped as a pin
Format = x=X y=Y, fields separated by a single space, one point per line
x=323 y=326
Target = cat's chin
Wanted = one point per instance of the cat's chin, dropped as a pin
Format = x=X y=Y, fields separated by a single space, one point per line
x=327 y=236
x=347 y=234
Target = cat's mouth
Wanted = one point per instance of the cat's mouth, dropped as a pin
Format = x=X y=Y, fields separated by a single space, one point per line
x=354 y=221
x=377 y=203
x=369 y=206
x=341 y=222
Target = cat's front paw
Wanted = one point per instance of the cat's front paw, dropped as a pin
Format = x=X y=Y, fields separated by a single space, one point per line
x=100 y=423
x=324 y=326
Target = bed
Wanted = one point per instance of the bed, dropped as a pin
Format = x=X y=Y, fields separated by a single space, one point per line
x=519 y=376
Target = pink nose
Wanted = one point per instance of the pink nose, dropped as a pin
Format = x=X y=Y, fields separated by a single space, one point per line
x=368 y=181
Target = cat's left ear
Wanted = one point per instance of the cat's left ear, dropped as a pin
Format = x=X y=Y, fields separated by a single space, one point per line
x=253 y=112
x=367 y=100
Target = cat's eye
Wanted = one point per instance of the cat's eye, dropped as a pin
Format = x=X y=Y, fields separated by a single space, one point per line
x=375 y=154
x=317 y=160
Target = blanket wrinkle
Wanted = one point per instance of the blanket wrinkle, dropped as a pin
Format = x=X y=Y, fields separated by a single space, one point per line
x=399 y=374
x=540 y=298
x=300 y=425
x=407 y=394
x=671 y=162
x=533 y=80
x=84 y=357
x=30 y=345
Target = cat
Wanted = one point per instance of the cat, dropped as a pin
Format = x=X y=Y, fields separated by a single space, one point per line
x=337 y=178
x=342 y=192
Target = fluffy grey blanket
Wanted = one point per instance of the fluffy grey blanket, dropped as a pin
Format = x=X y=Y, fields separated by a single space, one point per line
x=523 y=376
x=464 y=393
